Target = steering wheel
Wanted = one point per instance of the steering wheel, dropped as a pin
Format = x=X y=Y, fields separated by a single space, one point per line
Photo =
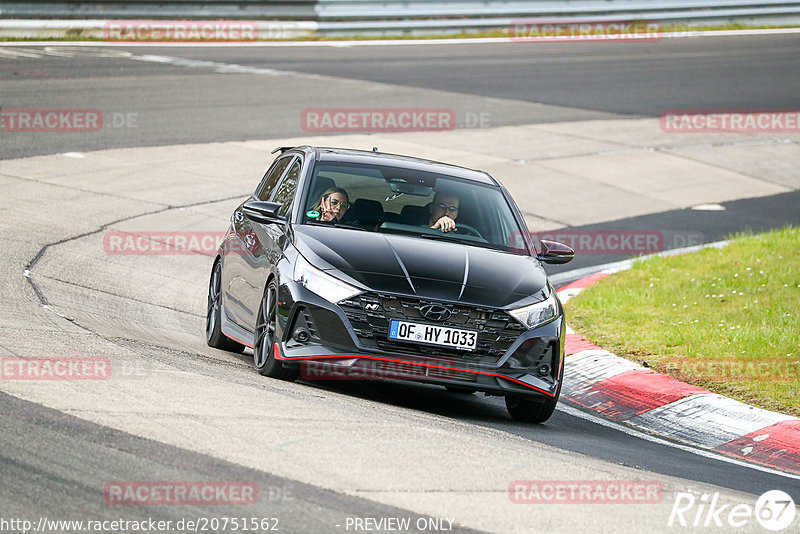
x=465 y=229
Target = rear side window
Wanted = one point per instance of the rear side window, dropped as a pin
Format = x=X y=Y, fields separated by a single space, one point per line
x=285 y=193
x=270 y=180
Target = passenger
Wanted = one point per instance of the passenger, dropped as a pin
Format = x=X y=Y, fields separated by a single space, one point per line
x=333 y=204
x=443 y=212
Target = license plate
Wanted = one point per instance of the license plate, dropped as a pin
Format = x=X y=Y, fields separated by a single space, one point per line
x=428 y=334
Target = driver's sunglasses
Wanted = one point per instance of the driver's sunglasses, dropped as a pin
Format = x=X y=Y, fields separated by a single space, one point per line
x=334 y=203
x=451 y=209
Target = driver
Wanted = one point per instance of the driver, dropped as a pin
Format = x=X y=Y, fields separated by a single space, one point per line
x=332 y=205
x=443 y=212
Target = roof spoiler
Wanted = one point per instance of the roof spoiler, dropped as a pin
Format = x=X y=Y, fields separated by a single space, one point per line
x=282 y=149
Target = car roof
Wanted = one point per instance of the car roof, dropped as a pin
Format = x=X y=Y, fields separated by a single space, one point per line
x=364 y=157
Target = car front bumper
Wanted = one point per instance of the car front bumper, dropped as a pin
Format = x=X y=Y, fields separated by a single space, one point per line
x=320 y=339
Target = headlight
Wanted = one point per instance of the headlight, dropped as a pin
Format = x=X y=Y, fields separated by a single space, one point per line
x=323 y=284
x=539 y=313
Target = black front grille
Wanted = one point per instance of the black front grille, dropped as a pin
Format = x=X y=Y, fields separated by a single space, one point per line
x=370 y=314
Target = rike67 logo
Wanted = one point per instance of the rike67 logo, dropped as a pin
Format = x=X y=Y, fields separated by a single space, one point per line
x=774 y=510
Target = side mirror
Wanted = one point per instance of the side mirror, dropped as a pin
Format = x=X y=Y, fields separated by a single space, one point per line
x=260 y=211
x=555 y=253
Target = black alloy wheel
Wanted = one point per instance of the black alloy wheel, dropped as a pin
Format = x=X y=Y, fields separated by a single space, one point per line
x=214 y=336
x=264 y=351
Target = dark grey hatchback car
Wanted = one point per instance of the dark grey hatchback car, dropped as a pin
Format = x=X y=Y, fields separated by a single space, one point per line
x=337 y=267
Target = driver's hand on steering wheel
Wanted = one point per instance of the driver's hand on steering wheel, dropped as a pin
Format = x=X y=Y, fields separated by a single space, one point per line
x=445 y=224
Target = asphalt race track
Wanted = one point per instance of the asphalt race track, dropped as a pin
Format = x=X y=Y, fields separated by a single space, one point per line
x=185 y=135
x=509 y=83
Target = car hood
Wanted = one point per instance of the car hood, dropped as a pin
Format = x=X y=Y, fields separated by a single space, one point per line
x=426 y=268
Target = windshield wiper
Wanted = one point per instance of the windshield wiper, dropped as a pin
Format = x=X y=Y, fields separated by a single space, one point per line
x=457 y=239
x=352 y=227
x=444 y=237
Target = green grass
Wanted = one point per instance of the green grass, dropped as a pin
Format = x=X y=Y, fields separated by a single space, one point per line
x=723 y=319
x=79 y=35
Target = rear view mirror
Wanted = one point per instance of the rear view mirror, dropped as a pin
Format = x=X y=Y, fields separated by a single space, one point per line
x=555 y=253
x=421 y=185
x=411 y=189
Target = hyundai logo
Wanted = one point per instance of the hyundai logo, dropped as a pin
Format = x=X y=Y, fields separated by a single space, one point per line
x=435 y=312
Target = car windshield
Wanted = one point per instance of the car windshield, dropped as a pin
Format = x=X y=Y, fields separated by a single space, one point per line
x=400 y=200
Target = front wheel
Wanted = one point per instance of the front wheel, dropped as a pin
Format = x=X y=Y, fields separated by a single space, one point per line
x=264 y=349
x=532 y=411
x=214 y=336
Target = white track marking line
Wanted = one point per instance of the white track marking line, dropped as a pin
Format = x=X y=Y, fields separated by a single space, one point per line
x=569 y=410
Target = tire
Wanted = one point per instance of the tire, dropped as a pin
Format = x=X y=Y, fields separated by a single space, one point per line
x=532 y=411
x=214 y=336
x=264 y=350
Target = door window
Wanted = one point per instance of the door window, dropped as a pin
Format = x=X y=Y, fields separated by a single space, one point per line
x=271 y=178
x=286 y=190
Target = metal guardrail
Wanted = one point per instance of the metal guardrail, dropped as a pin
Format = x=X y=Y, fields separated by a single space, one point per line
x=370 y=9
x=414 y=17
x=171 y=9
x=347 y=17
